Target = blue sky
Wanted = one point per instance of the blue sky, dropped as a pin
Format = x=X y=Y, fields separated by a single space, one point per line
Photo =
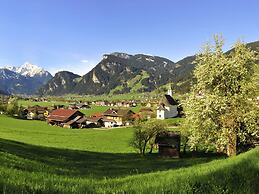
x=74 y=34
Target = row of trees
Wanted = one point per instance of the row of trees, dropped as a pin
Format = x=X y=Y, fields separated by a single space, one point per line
x=11 y=107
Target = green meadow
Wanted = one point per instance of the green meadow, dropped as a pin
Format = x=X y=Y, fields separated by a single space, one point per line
x=100 y=109
x=49 y=103
x=38 y=158
x=40 y=133
x=104 y=97
x=94 y=108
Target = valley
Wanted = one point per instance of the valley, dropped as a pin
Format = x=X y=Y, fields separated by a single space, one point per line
x=129 y=97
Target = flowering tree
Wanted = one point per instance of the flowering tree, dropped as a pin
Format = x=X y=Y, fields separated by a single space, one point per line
x=220 y=110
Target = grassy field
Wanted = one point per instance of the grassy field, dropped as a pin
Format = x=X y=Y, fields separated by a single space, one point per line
x=39 y=133
x=27 y=103
x=110 y=97
x=101 y=109
x=37 y=158
x=94 y=109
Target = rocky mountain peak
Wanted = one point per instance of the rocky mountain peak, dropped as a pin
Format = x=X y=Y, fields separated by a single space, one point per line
x=28 y=70
x=31 y=70
x=121 y=55
x=25 y=79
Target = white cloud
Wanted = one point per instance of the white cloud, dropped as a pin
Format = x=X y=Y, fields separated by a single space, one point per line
x=84 y=61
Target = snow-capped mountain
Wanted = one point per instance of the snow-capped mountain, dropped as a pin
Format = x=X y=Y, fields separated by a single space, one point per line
x=25 y=79
x=9 y=74
x=29 y=70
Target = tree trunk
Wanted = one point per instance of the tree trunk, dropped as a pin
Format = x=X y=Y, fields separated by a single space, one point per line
x=232 y=143
x=151 y=148
x=144 y=148
x=184 y=146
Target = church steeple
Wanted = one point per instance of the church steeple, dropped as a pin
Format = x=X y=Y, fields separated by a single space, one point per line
x=170 y=91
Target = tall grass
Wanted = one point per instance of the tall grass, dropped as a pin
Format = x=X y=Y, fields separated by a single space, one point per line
x=38 y=175
x=37 y=158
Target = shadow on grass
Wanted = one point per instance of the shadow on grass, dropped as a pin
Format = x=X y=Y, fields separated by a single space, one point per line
x=66 y=162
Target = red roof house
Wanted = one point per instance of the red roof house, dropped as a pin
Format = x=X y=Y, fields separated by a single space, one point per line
x=64 y=117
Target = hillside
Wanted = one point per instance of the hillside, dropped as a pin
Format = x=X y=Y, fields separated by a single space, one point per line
x=62 y=82
x=119 y=73
x=37 y=158
x=254 y=46
x=117 y=69
x=123 y=73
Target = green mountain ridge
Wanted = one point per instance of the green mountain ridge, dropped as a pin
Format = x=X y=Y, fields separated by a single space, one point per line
x=119 y=73
x=133 y=85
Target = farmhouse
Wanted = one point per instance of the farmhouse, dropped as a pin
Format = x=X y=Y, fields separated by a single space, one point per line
x=109 y=122
x=81 y=123
x=79 y=106
x=168 y=144
x=167 y=107
x=36 y=112
x=95 y=121
x=89 y=122
x=83 y=106
x=58 y=106
x=120 y=116
x=65 y=118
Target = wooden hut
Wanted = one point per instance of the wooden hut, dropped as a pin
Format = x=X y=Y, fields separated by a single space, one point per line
x=169 y=144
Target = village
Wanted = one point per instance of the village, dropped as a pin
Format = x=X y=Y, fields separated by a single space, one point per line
x=106 y=114
x=129 y=97
x=116 y=114
x=119 y=114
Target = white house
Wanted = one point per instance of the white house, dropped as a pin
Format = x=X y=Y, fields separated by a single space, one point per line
x=109 y=122
x=167 y=107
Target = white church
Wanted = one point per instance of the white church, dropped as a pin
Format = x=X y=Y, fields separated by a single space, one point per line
x=167 y=107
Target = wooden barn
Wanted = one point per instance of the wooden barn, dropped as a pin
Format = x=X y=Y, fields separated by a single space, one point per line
x=65 y=118
x=169 y=144
x=93 y=122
